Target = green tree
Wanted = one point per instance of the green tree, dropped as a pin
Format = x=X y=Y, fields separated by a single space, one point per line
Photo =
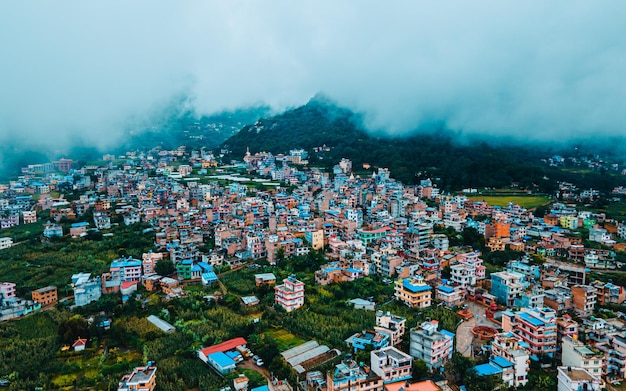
x=474 y=382
x=420 y=370
x=73 y=328
x=164 y=267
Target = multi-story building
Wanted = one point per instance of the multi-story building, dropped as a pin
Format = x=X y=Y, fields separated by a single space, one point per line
x=506 y=286
x=129 y=268
x=413 y=292
x=393 y=325
x=391 y=364
x=149 y=261
x=290 y=294
x=46 y=296
x=508 y=346
x=577 y=379
x=349 y=376
x=584 y=299
x=566 y=327
x=5 y=243
x=315 y=238
x=431 y=345
x=141 y=379
x=7 y=290
x=537 y=327
x=368 y=339
x=450 y=295
x=87 y=292
x=609 y=293
x=577 y=354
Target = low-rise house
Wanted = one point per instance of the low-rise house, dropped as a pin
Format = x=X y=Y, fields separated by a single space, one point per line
x=52 y=230
x=80 y=344
x=264 y=278
x=391 y=324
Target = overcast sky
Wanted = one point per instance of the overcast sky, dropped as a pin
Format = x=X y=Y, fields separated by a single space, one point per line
x=534 y=69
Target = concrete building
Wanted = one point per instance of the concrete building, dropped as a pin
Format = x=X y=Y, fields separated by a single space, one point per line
x=433 y=346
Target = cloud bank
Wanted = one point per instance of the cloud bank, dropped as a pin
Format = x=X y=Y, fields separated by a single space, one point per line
x=77 y=71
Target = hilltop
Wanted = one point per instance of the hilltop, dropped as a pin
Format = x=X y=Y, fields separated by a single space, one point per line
x=435 y=152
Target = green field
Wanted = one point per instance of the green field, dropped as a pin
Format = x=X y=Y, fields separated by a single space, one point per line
x=527 y=202
x=284 y=339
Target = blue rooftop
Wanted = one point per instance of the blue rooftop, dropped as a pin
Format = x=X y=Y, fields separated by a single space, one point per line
x=501 y=362
x=487 y=370
x=125 y=262
x=221 y=359
x=209 y=276
x=82 y=224
x=407 y=284
x=445 y=289
x=261 y=388
x=448 y=333
x=527 y=318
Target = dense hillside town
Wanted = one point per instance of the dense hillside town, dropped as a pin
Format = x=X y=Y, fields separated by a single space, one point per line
x=451 y=291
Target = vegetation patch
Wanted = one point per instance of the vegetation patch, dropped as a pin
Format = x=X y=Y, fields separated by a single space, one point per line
x=284 y=339
x=528 y=202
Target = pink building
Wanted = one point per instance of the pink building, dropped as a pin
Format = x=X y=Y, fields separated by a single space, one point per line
x=290 y=295
x=7 y=290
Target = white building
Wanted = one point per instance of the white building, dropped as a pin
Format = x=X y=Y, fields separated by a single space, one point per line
x=5 y=243
x=507 y=346
x=577 y=379
x=577 y=354
x=391 y=364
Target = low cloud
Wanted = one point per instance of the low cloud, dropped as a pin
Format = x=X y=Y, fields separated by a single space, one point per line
x=89 y=71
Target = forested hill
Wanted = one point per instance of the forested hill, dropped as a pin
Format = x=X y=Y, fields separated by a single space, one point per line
x=432 y=154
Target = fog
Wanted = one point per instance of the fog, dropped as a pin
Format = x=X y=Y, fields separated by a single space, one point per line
x=88 y=72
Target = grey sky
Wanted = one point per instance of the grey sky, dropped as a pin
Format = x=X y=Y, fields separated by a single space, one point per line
x=534 y=69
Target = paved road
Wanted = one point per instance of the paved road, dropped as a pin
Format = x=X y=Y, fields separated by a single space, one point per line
x=464 y=334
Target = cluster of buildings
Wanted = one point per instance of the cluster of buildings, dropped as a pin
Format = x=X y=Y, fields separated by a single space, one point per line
x=371 y=225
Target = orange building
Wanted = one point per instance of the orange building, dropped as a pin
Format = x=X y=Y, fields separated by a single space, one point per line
x=46 y=296
x=502 y=230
